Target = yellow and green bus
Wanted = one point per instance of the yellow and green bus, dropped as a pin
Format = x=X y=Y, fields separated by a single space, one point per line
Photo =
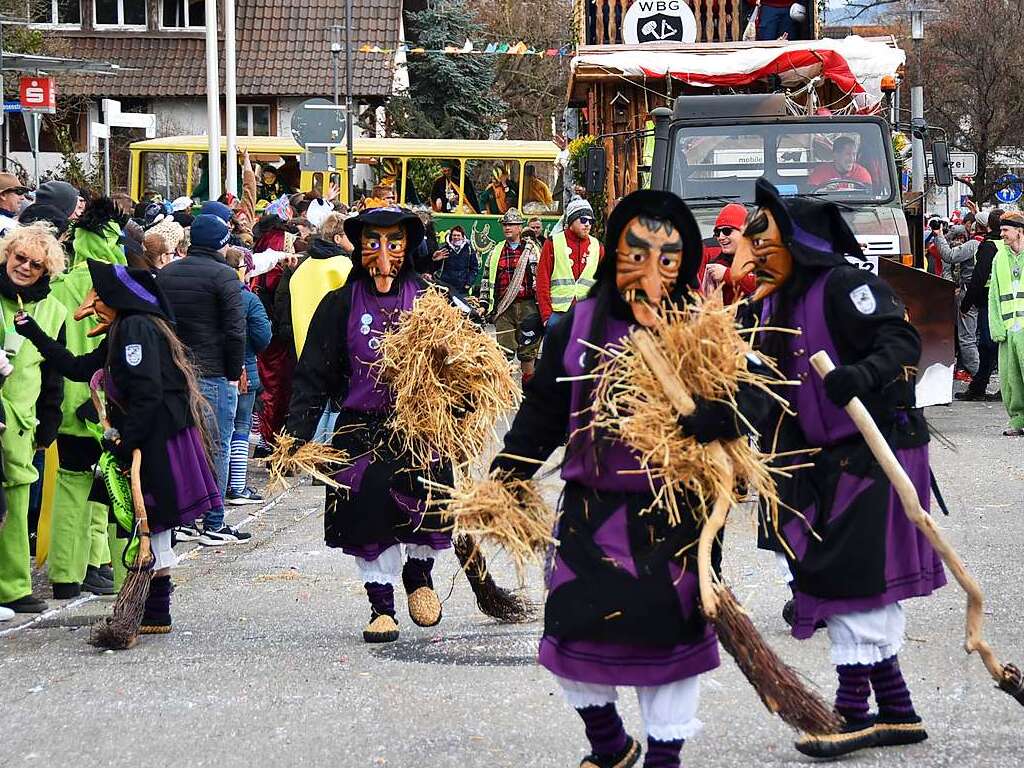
x=469 y=183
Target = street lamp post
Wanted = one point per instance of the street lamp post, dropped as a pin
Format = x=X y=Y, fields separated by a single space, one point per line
x=917 y=98
x=348 y=100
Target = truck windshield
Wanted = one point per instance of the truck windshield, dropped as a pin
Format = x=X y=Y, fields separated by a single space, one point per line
x=846 y=162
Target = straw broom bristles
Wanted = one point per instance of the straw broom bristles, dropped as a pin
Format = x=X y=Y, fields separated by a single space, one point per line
x=319 y=460
x=451 y=382
x=505 y=511
x=706 y=350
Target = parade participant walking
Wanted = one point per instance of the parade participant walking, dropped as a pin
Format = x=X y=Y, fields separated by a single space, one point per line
x=207 y=306
x=507 y=288
x=622 y=606
x=976 y=298
x=79 y=542
x=568 y=263
x=31 y=396
x=384 y=509
x=1006 y=317
x=153 y=403
x=854 y=553
x=718 y=269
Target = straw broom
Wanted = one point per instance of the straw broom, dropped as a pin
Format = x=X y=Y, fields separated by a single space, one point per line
x=120 y=630
x=1008 y=677
x=318 y=460
x=707 y=346
x=451 y=382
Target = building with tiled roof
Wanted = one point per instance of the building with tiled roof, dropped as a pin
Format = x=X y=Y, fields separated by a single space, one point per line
x=283 y=54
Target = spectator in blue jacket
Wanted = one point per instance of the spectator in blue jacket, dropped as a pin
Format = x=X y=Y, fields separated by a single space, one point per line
x=459 y=262
x=257 y=337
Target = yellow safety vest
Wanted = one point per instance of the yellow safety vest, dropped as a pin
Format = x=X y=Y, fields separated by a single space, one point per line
x=313 y=280
x=565 y=288
x=1011 y=298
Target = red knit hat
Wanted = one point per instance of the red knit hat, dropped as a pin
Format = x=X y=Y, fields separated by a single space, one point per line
x=733 y=215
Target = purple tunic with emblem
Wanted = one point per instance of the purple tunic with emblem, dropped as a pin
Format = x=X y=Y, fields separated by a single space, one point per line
x=622 y=609
x=384 y=505
x=864 y=552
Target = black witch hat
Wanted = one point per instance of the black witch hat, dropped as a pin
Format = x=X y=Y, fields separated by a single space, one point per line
x=127 y=289
x=385 y=217
x=814 y=230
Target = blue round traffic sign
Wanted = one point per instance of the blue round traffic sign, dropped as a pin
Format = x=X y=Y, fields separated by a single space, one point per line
x=1010 y=189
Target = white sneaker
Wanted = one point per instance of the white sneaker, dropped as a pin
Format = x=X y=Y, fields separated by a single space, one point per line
x=6 y=614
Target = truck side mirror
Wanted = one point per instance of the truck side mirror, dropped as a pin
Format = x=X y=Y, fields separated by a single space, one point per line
x=942 y=168
x=595 y=172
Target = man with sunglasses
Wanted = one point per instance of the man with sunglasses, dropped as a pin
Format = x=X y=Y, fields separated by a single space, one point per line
x=568 y=261
x=717 y=266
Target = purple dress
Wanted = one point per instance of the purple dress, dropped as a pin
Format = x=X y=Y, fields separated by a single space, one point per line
x=385 y=504
x=866 y=553
x=622 y=607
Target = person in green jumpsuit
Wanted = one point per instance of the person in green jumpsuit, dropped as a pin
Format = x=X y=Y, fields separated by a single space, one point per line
x=29 y=257
x=1006 y=317
x=79 y=549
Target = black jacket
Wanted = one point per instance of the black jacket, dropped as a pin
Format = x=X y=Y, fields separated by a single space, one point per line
x=203 y=292
x=976 y=294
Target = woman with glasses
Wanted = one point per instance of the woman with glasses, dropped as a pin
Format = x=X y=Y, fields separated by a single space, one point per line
x=31 y=396
x=716 y=271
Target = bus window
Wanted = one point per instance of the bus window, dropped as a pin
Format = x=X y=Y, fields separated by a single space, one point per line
x=376 y=177
x=164 y=174
x=419 y=175
x=448 y=191
x=541 y=193
x=498 y=182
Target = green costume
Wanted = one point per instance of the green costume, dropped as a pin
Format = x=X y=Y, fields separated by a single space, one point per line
x=1006 y=321
x=79 y=529
x=20 y=394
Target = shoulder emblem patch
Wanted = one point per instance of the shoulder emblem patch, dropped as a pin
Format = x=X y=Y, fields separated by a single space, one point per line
x=133 y=354
x=864 y=300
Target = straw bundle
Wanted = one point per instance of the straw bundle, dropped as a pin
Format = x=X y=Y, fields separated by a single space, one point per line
x=316 y=459
x=502 y=510
x=703 y=348
x=451 y=382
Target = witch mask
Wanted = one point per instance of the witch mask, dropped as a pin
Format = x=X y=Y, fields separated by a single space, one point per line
x=92 y=306
x=649 y=255
x=761 y=251
x=383 y=253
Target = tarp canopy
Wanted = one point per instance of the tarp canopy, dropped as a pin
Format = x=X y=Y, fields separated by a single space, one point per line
x=855 y=65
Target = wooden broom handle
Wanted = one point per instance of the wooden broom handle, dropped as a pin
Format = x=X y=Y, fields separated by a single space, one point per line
x=685 y=406
x=139 y=505
x=907 y=493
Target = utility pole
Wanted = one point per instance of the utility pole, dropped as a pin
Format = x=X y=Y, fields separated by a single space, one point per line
x=230 y=110
x=348 y=101
x=335 y=55
x=917 y=100
x=212 y=101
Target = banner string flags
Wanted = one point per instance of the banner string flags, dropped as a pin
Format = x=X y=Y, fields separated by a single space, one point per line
x=491 y=49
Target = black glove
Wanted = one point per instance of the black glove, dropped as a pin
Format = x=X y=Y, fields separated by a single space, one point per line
x=712 y=420
x=26 y=326
x=111 y=443
x=847 y=382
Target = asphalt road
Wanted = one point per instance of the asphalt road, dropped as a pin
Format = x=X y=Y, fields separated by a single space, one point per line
x=266 y=665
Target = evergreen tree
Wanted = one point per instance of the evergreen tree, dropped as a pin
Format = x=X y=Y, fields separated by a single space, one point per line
x=450 y=96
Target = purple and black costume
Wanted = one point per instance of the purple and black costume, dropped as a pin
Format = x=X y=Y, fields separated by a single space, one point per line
x=853 y=553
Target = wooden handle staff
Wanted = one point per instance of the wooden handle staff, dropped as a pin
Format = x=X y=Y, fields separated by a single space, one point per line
x=1007 y=676
x=684 y=406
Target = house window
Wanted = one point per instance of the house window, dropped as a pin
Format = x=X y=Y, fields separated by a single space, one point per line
x=252 y=120
x=120 y=13
x=181 y=14
x=65 y=12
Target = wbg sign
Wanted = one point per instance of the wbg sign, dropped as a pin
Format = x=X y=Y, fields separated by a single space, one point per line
x=659 y=21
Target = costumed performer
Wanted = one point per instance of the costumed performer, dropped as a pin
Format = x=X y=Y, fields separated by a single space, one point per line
x=623 y=597
x=853 y=552
x=153 y=403
x=383 y=508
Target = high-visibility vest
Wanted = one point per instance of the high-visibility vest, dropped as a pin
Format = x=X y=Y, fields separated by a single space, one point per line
x=1011 y=297
x=313 y=280
x=565 y=287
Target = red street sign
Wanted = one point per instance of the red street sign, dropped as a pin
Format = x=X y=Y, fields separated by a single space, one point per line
x=38 y=94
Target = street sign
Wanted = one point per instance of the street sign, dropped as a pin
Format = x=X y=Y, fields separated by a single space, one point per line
x=317 y=126
x=38 y=94
x=1009 y=189
x=12 y=106
x=962 y=163
x=659 y=21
